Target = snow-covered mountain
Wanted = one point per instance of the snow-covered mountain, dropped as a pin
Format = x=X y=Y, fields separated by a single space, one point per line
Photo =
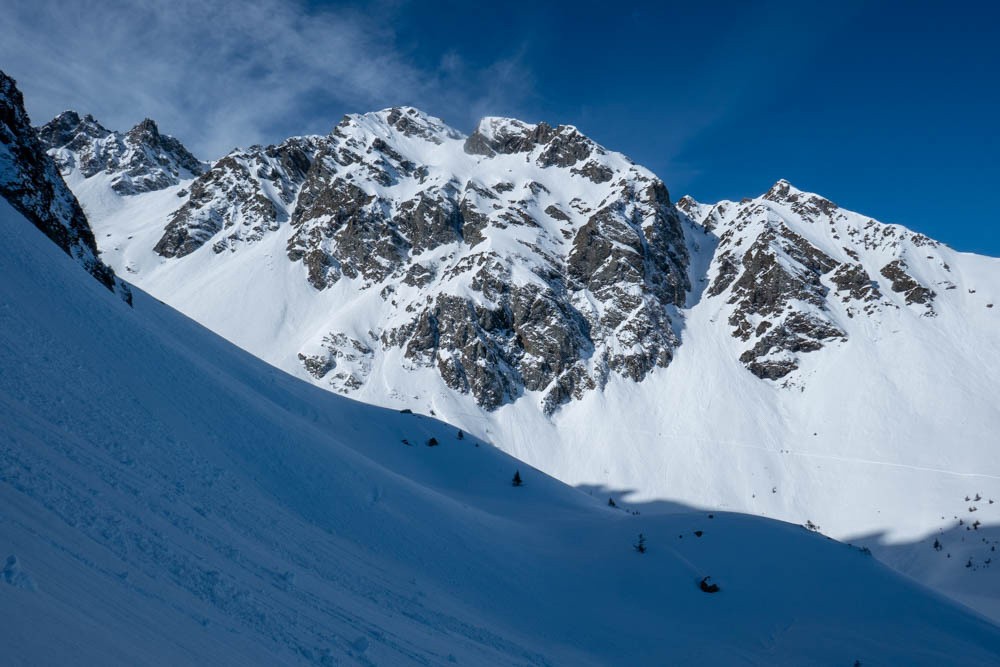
x=167 y=498
x=579 y=286
x=778 y=355
x=140 y=160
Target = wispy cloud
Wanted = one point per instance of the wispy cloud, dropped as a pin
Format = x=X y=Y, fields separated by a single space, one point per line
x=225 y=73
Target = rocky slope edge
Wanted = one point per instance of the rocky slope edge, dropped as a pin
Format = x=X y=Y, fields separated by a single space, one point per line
x=30 y=182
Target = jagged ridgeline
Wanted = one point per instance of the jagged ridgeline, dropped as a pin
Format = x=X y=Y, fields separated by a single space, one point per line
x=141 y=160
x=520 y=259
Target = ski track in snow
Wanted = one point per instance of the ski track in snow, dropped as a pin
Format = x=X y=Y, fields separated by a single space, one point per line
x=811 y=455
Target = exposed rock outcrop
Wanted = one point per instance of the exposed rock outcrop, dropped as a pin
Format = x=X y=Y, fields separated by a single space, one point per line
x=31 y=183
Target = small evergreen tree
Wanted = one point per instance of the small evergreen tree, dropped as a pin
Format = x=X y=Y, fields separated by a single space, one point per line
x=611 y=502
x=640 y=546
x=517 y=478
x=433 y=442
x=461 y=436
x=937 y=545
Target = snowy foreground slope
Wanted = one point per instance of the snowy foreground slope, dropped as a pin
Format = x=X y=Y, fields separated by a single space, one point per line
x=166 y=498
x=779 y=356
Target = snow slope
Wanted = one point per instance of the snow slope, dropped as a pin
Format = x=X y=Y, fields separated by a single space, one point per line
x=166 y=498
x=874 y=417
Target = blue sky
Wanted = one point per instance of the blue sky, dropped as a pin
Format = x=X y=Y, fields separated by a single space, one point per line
x=887 y=108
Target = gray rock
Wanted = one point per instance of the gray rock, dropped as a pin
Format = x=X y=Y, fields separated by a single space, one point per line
x=903 y=283
x=247 y=193
x=765 y=288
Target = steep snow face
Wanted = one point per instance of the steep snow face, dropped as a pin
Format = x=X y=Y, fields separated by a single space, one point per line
x=30 y=182
x=166 y=498
x=779 y=355
x=141 y=160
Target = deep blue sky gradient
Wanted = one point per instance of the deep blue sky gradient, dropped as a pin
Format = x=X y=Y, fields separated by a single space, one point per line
x=887 y=108
x=891 y=109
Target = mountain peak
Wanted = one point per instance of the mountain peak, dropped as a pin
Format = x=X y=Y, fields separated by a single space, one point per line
x=782 y=190
x=809 y=205
x=67 y=126
x=692 y=208
x=68 y=117
x=72 y=117
x=405 y=120
x=145 y=129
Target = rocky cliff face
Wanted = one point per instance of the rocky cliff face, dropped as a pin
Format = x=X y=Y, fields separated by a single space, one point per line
x=244 y=195
x=31 y=183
